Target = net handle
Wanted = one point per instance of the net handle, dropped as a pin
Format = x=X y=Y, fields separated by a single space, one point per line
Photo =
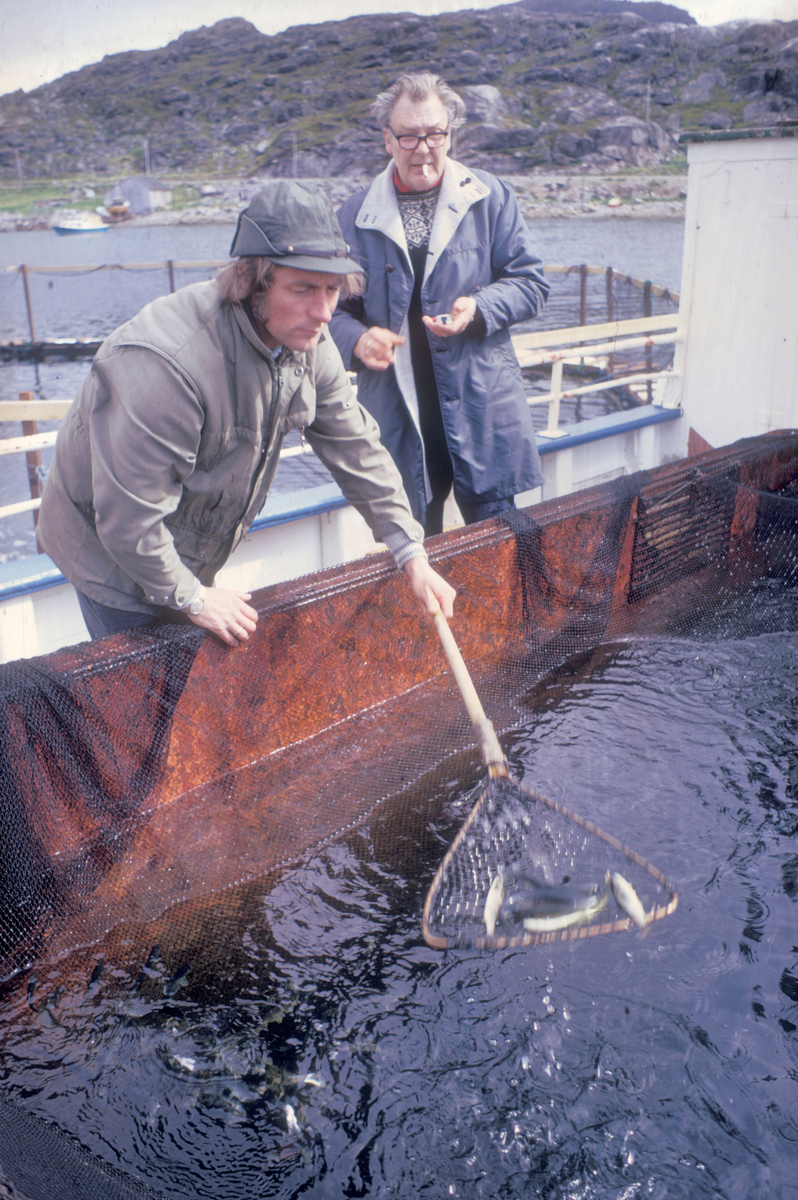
x=488 y=743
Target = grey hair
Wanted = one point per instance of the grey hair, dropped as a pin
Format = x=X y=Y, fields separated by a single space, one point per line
x=418 y=86
x=247 y=276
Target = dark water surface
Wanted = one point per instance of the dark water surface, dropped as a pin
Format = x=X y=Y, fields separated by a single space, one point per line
x=340 y=1056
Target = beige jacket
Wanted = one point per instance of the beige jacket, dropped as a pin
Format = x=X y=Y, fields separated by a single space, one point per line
x=168 y=452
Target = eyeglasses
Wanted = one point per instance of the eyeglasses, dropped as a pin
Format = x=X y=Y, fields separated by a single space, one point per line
x=409 y=141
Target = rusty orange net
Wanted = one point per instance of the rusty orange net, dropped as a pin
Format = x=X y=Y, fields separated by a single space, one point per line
x=151 y=770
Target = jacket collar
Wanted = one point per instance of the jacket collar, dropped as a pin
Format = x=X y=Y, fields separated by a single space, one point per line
x=460 y=188
x=380 y=210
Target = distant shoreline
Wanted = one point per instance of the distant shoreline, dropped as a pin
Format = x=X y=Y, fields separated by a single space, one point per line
x=653 y=196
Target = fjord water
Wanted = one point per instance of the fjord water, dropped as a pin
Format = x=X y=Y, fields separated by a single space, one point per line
x=93 y=304
x=328 y=1052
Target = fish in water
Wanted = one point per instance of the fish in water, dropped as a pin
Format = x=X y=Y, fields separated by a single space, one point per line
x=628 y=899
x=493 y=904
x=292 y=1123
x=173 y=985
x=148 y=971
x=580 y=906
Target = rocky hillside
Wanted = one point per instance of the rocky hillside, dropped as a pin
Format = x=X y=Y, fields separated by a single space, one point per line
x=548 y=83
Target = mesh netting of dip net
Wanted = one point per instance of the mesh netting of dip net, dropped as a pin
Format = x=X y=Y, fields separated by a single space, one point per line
x=146 y=778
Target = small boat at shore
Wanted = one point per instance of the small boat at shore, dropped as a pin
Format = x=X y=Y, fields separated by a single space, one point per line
x=85 y=222
x=114 y=212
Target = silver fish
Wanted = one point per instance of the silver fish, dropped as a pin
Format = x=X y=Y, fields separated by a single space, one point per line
x=173 y=985
x=628 y=899
x=493 y=904
x=292 y=1123
x=591 y=905
x=534 y=899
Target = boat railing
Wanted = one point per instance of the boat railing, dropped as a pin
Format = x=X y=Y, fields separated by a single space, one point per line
x=598 y=345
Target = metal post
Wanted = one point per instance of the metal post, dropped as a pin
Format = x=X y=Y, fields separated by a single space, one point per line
x=610 y=307
x=32 y=457
x=583 y=294
x=554 y=403
x=170 y=264
x=24 y=271
x=647 y=313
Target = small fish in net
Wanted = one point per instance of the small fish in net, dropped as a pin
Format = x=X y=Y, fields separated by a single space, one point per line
x=524 y=871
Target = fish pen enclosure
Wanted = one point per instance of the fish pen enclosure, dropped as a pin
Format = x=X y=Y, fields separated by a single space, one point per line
x=51 y=316
x=148 y=780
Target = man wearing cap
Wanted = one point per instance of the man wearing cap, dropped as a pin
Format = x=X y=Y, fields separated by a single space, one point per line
x=168 y=452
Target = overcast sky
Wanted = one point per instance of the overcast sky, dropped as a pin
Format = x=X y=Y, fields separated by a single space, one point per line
x=41 y=40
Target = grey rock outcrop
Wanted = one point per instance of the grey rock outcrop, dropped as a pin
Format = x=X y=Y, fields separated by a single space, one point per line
x=701 y=90
x=785 y=81
x=484 y=103
x=568 y=83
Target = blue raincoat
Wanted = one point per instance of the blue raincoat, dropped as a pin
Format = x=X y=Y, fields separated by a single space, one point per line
x=480 y=246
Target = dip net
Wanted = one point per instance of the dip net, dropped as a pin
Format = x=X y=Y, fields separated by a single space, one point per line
x=557 y=874
x=148 y=779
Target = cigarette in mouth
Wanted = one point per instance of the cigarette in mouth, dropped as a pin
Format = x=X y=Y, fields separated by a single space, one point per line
x=425 y=170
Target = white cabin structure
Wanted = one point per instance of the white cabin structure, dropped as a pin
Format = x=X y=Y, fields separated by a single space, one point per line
x=736 y=365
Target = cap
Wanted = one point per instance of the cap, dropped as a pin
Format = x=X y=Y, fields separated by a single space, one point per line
x=293 y=224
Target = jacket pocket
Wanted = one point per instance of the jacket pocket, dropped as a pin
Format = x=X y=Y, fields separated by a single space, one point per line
x=198 y=546
x=214 y=445
x=301 y=408
x=504 y=344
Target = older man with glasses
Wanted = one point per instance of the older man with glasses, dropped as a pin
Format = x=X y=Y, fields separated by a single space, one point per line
x=449 y=268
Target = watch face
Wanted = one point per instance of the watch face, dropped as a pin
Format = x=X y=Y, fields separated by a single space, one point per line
x=196 y=607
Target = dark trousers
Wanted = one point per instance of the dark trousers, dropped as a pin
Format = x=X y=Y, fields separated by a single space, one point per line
x=101 y=619
x=473 y=509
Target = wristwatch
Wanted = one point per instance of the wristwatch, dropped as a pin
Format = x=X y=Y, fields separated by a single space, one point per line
x=196 y=605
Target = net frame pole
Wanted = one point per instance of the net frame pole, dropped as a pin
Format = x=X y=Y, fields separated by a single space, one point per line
x=489 y=748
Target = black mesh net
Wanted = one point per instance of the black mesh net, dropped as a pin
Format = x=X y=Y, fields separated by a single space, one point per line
x=587 y=295
x=147 y=780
